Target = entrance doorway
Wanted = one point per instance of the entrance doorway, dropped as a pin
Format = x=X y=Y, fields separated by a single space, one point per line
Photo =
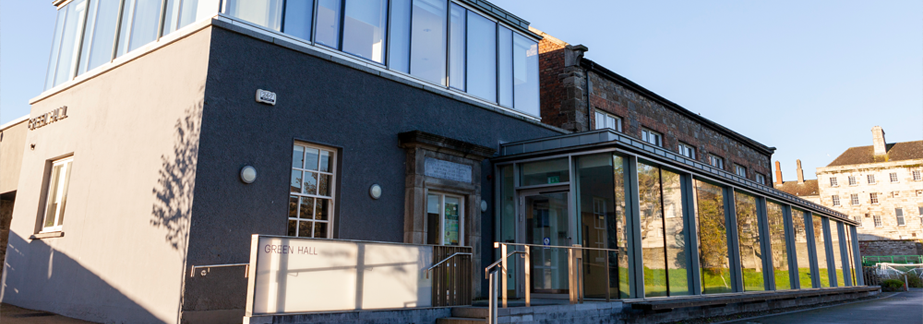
x=547 y=222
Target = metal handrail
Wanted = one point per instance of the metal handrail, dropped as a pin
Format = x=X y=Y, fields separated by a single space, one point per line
x=487 y=270
x=427 y=271
x=204 y=272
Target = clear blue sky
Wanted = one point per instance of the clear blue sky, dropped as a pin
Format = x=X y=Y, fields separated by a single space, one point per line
x=810 y=78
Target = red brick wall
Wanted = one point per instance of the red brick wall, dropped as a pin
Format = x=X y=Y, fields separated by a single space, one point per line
x=553 y=93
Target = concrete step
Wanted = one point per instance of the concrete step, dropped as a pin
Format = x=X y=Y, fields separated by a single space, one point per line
x=461 y=320
x=470 y=312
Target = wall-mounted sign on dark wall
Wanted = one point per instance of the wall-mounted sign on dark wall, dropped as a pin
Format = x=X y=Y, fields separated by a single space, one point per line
x=48 y=118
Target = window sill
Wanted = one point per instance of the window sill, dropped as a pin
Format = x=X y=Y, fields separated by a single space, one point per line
x=47 y=235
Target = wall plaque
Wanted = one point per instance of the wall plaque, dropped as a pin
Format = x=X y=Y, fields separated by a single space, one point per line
x=442 y=169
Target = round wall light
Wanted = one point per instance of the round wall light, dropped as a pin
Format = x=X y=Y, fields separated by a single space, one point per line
x=248 y=174
x=375 y=191
x=483 y=206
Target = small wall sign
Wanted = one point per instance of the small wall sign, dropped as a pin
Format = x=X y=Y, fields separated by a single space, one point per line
x=442 y=169
x=48 y=118
x=265 y=96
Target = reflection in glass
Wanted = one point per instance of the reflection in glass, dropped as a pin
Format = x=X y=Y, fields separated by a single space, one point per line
x=801 y=249
x=850 y=264
x=399 y=36
x=70 y=40
x=598 y=216
x=748 y=232
x=100 y=34
x=304 y=229
x=295 y=184
x=821 y=250
x=364 y=29
x=293 y=206
x=310 y=183
x=298 y=17
x=547 y=224
x=451 y=229
x=266 y=13
x=327 y=32
x=675 y=235
x=292 y=228
x=307 y=208
x=320 y=229
x=836 y=255
x=144 y=23
x=457 y=47
x=620 y=227
x=482 y=57
x=505 y=66
x=545 y=172
x=525 y=75
x=779 y=245
x=713 y=245
x=298 y=157
x=323 y=186
x=55 y=46
x=322 y=210
x=652 y=238
x=325 y=161
x=310 y=160
x=428 y=41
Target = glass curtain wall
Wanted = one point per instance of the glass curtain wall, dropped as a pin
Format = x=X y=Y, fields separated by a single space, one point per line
x=525 y=75
x=662 y=236
x=837 y=255
x=482 y=57
x=801 y=249
x=99 y=35
x=457 y=38
x=821 y=249
x=713 y=245
x=299 y=14
x=428 y=40
x=505 y=67
x=399 y=36
x=851 y=265
x=598 y=211
x=364 y=29
x=748 y=233
x=620 y=225
x=65 y=50
x=778 y=245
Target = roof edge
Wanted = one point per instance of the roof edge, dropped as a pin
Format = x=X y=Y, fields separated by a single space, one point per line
x=14 y=122
x=595 y=67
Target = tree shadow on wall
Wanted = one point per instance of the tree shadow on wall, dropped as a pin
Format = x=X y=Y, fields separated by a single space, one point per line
x=172 y=208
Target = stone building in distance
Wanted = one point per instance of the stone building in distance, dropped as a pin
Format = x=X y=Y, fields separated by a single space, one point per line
x=804 y=189
x=880 y=186
x=618 y=103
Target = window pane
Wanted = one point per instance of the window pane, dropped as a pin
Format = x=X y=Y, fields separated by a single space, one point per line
x=432 y=218
x=428 y=38
x=292 y=228
x=837 y=255
x=171 y=16
x=298 y=157
x=525 y=75
x=482 y=57
x=675 y=235
x=713 y=247
x=293 y=206
x=365 y=28
x=304 y=229
x=452 y=230
x=748 y=232
x=320 y=230
x=399 y=40
x=192 y=9
x=295 y=183
x=801 y=249
x=310 y=183
x=144 y=24
x=779 y=245
x=73 y=32
x=324 y=161
x=310 y=159
x=322 y=210
x=599 y=216
x=298 y=17
x=328 y=22
x=821 y=250
x=55 y=47
x=306 y=209
x=323 y=186
x=652 y=238
x=266 y=13
x=505 y=76
x=63 y=193
x=545 y=172
x=457 y=48
x=97 y=45
x=51 y=205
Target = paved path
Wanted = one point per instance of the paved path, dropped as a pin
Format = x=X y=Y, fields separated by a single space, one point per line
x=10 y=314
x=903 y=307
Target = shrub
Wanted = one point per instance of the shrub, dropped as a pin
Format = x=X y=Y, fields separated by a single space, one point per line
x=914 y=281
x=892 y=285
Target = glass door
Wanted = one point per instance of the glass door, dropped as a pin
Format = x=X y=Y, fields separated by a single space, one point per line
x=546 y=223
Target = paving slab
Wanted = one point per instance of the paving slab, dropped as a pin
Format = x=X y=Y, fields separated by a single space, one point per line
x=901 y=307
x=10 y=314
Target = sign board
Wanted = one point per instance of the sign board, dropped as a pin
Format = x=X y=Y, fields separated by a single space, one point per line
x=265 y=96
x=298 y=275
x=442 y=169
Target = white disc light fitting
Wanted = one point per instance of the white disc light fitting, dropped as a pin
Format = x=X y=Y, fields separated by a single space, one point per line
x=375 y=191
x=248 y=174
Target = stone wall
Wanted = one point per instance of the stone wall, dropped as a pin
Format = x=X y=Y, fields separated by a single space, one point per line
x=6 y=215
x=880 y=198
x=891 y=247
x=563 y=84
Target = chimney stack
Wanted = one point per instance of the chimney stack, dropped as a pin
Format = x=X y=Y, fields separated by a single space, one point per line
x=778 y=174
x=800 y=172
x=878 y=141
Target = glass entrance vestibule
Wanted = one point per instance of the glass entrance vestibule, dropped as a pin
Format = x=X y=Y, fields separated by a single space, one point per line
x=652 y=223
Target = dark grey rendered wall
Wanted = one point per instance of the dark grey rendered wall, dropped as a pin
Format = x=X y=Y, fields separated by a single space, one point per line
x=322 y=102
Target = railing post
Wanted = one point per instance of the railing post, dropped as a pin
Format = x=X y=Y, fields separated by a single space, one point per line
x=608 y=279
x=492 y=299
x=528 y=277
x=571 y=276
x=503 y=273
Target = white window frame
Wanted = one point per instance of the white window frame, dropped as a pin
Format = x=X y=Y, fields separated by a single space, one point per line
x=716 y=161
x=854 y=199
x=686 y=150
x=852 y=181
x=461 y=217
x=833 y=182
x=873 y=198
x=893 y=176
x=899 y=215
x=332 y=172
x=835 y=199
x=57 y=193
x=605 y=120
x=652 y=137
x=871 y=179
x=740 y=170
x=877 y=219
x=916 y=175
x=760 y=178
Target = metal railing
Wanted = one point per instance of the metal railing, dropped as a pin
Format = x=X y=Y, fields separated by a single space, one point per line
x=574 y=267
x=870 y=261
x=452 y=276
